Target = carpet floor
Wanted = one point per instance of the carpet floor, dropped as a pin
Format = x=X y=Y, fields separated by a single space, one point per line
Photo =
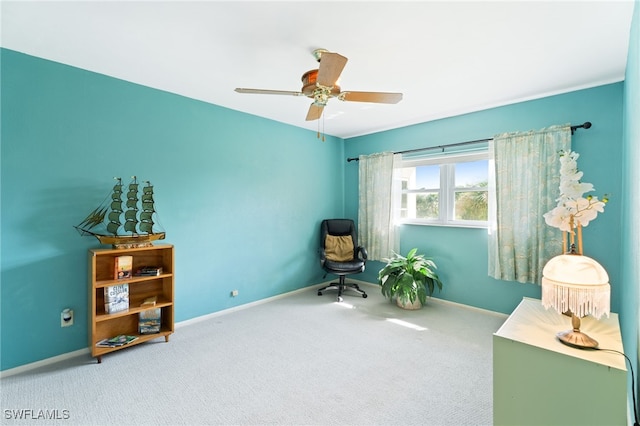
x=300 y=359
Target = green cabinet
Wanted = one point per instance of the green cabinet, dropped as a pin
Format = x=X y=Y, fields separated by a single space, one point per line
x=537 y=380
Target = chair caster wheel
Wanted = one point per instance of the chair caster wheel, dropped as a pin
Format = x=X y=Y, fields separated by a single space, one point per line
x=319 y=293
x=364 y=296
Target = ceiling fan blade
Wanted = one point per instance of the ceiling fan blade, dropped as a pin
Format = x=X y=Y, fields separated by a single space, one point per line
x=315 y=112
x=268 y=92
x=374 y=97
x=331 y=66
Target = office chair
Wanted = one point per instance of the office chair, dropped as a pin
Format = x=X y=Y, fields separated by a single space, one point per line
x=340 y=254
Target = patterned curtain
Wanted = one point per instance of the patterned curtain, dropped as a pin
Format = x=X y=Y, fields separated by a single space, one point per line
x=527 y=178
x=379 y=200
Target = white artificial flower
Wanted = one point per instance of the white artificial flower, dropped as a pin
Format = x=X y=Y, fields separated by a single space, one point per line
x=559 y=218
x=572 y=206
x=587 y=210
x=573 y=189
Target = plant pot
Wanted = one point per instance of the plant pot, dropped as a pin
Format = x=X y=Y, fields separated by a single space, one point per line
x=407 y=304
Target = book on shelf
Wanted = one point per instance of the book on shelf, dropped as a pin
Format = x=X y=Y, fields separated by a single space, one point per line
x=148 y=271
x=116 y=298
x=113 y=342
x=149 y=301
x=149 y=321
x=123 y=267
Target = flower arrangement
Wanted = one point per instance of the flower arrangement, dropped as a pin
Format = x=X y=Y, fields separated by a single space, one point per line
x=573 y=209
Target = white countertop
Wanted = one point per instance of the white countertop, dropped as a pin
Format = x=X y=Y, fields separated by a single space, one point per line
x=532 y=324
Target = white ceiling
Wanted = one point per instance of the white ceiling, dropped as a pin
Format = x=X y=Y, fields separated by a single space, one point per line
x=447 y=57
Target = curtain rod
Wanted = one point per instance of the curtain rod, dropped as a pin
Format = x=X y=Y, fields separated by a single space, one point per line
x=586 y=125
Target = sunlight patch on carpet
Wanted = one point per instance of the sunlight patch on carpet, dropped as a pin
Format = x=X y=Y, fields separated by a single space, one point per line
x=407 y=324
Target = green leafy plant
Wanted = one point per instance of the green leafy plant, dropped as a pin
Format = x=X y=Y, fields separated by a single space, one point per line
x=410 y=277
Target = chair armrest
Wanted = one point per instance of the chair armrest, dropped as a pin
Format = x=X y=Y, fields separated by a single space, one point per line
x=323 y=255
x=363 y=252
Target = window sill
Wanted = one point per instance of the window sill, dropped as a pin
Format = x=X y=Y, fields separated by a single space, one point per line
x=445 y=224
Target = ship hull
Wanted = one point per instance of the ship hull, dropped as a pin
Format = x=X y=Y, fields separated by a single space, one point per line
x=130 y=241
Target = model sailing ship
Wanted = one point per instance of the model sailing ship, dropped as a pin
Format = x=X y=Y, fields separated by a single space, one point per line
x=105 y=224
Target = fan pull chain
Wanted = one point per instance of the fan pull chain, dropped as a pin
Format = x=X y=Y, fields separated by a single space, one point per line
x=318 y=132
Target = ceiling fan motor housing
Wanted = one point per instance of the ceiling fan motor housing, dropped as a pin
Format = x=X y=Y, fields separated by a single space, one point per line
x=309 y=86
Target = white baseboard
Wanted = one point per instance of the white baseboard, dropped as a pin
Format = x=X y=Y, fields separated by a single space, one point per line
x=462 y=305
x=42 y=363
x=438 y=300
x=241 y=307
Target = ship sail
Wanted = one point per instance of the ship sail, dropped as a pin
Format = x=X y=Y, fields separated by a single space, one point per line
x=148 y=209
x=116 y=208
x=131 y=215
x=105 y=221
x=95 y=218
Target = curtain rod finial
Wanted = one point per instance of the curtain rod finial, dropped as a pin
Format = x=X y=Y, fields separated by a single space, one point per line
x=586 y=125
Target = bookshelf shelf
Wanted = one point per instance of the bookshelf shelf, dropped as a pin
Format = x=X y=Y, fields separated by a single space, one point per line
x=102 y=316
x=98 y=352
x=134 y=279
x=103 y=325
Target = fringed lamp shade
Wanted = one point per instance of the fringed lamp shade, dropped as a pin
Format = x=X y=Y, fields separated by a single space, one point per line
x=576 y=285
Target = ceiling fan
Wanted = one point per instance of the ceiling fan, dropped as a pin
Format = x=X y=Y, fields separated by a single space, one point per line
x=321 y=85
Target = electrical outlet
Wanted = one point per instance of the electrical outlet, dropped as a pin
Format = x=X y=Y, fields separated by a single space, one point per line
x=234 y=293
x=66 y=318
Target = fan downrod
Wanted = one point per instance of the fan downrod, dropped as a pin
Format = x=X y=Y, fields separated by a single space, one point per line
x=317 y=53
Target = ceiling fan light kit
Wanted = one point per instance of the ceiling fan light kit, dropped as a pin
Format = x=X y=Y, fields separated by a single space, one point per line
x=321 y=85
x=310 y=85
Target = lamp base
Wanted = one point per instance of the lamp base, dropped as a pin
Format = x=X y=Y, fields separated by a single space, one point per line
x=577 y=339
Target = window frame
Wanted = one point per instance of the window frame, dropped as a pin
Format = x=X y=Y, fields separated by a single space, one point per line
x=447 y=190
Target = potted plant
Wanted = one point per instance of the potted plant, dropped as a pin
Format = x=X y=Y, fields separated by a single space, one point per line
x=409 y=279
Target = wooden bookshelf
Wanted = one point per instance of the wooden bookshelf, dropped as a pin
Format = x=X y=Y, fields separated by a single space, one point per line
x=103 y=325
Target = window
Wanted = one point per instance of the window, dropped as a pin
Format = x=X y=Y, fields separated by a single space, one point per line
x=447 y=189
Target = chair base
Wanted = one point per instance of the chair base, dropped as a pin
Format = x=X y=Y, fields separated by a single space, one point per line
x=341 y=286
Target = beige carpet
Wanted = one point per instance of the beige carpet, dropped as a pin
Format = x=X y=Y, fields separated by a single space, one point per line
x=297 y=360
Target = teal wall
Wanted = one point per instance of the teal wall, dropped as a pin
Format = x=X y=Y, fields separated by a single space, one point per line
x=630 y=223
x=461 y=253
x=240 y=197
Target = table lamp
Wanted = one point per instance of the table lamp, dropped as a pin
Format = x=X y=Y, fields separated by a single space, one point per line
x=576 y=285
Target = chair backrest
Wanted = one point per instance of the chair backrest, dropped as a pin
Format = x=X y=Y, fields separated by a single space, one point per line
x=338 y=228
